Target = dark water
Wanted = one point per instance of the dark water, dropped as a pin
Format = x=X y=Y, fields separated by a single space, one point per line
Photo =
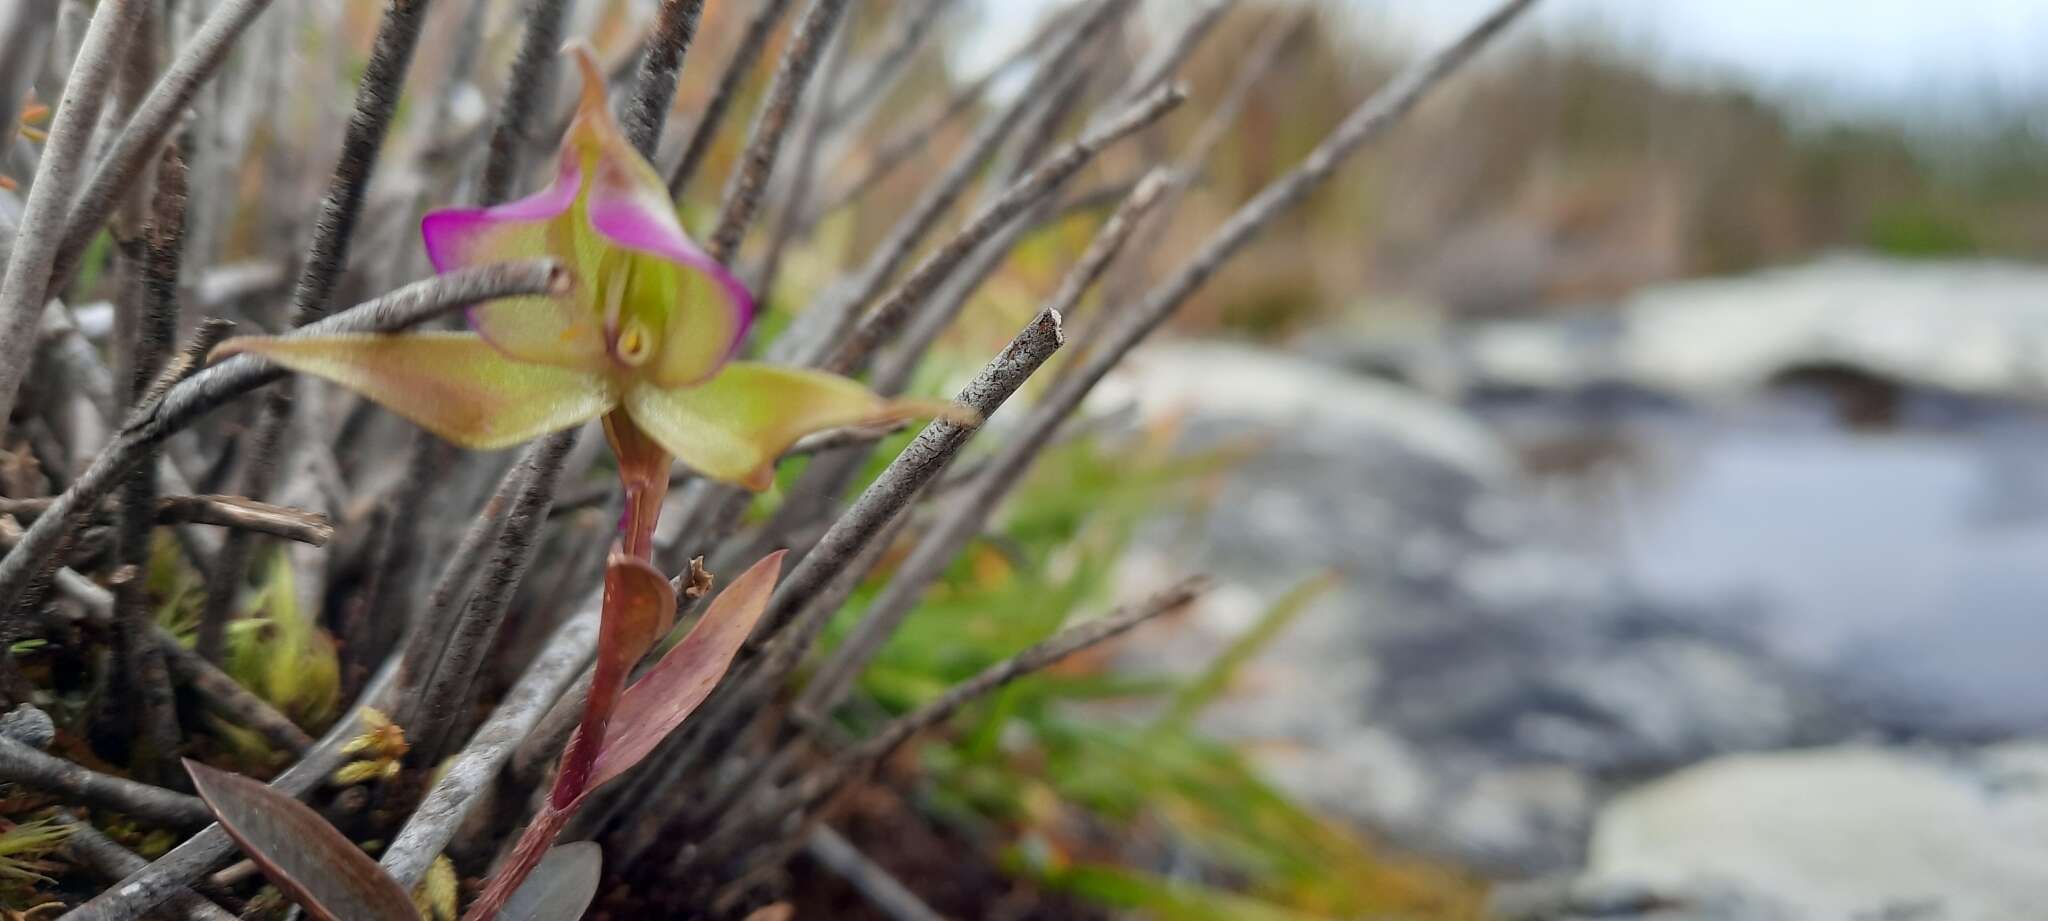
x=1907 y=563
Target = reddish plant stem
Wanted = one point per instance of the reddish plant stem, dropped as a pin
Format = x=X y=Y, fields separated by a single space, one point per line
x=527 y=854
x=643 y=474
x=643 y=477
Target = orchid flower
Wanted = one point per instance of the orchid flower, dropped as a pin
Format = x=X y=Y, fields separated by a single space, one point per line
x=645 y=339
x=647 y=334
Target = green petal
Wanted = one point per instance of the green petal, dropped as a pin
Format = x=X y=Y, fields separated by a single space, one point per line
x=554 y=330
x=734 y=426
x=452 y=384
x=696 y=311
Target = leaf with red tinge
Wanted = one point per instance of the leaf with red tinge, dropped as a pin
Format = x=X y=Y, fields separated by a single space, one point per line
x=659 y=702
x=306 y=857
x=560 y=888
x=639 y=606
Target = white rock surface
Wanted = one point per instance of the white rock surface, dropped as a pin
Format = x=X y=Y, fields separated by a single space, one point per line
x=1274 y=388
x=1977 y=328
x=1969 y=327
x=1842 y=833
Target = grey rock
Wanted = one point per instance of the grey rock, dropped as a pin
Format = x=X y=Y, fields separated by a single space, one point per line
x=1475 y=687
x=1976 y=328
x=28 y=725
x=1850 y=833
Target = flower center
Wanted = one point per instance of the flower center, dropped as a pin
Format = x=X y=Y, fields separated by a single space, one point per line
x=635 y=343
x=633 y=339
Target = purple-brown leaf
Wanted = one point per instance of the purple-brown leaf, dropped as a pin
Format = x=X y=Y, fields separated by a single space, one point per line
x=306 y=857
x=659 y=702
x=560 y=888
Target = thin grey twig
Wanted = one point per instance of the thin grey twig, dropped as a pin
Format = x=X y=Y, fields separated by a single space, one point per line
x=796 y=192
x=198 y=60
x=157 y=325
x=145 y=888
x=212 y=331
x=661 y=64
x=24 y=765
x=376 y=102
x=968 y=513
x=472 y=770
x=853 y=349
x=221 y=511
x=247 y=515
x=108 y=859
x=209 y=389
x=882 y=890
x=1040 y=656
x=754 y=38
x=447 y=692
x=529 y=90
x=36 y=241
x=764 y=144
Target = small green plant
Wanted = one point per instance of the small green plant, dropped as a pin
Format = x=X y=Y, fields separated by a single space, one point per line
x=281 y=654
x=23 y=847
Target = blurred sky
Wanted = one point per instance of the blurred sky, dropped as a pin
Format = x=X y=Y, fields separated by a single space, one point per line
x=1903 y=56
x=1859 y=52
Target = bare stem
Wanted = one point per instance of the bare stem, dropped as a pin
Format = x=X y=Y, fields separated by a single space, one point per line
x=209 y=389
x=754 y=38
x=446 y=694
x=159 y=114
x=882 y=890
x=853 y=349
x=967 y=514
x=105 y=857
x=743 y=191
x=165 y=877
x=376 y=103
x=661 y=64
x=24 y=765
x=529 y=91
x=36 y=241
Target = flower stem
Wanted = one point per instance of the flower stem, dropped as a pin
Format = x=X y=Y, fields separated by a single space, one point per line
x=643 y=476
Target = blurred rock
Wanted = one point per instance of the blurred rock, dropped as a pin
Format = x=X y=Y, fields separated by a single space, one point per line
x=1269 y=388
x=1978 y=328
x=1476 y=687
x=29 y=725
x=1974 y=329
x=1835 y=834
